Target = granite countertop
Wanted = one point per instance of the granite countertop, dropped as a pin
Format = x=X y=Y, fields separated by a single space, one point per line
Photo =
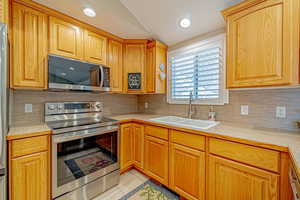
x=283 y=140
x=28 y=131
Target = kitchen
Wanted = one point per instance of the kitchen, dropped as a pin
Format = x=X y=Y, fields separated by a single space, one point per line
x=119 y=99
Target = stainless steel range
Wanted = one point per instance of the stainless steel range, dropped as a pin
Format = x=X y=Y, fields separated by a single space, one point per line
x=85 y=160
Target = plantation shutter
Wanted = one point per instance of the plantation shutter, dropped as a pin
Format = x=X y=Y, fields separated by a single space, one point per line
x=198 y=70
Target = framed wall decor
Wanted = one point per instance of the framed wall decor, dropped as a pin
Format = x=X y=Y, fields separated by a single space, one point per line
x=134 y=81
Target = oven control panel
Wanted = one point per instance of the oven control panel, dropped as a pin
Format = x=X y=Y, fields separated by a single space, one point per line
x=54 y=108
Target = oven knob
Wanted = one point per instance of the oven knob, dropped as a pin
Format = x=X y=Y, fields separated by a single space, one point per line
x=98 y=106
x=60 y=107
x=51 y=107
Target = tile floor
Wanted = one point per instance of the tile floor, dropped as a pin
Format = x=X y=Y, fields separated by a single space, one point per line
x=128 y=181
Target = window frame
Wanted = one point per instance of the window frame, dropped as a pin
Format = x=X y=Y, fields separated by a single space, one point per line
x=199 y=45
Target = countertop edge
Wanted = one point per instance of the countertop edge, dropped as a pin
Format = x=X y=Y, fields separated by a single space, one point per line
x=210 y=134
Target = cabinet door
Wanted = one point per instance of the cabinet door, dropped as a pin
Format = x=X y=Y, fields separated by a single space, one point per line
x=95 y=48
x=65 y=39
x=134 y=62
x=126 y=146
x=187 y=172
x=263 y=45
x=138 y=145
x=29 y=48
x=151 y=69
x=230 y=180
x=160 y=59
x=115 y=62
x=157 y=159
x=4 y=11
x=30 y=177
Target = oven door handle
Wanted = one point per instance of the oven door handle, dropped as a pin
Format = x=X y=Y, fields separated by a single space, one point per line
x=293 y=185
x=83 y=134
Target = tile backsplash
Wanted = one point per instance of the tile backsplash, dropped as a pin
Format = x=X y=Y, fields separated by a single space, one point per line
x=113 y=104
x=262 y=108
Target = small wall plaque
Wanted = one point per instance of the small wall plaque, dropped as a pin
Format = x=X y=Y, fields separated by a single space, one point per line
x=134 y=81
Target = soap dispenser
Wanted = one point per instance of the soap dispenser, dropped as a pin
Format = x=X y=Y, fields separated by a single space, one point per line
x=211 y=114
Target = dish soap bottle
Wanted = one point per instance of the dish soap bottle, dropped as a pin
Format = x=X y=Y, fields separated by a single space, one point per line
x=211 y=114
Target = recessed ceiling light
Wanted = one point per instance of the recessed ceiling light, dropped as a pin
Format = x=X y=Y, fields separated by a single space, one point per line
x=185 y=23
x=89 y=12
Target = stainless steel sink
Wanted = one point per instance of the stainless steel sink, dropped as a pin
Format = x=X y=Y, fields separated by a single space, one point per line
x=185 y=122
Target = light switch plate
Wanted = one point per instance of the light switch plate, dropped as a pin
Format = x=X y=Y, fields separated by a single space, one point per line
x=244 y=109
x=281 y=112
x=28 y=108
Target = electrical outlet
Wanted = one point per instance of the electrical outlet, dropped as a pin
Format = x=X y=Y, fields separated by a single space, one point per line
x=244 y=109
x=28 y=108
x=281 y=112
x=146 y=105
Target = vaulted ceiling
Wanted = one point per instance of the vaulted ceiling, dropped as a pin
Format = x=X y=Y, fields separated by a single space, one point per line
x=144 y=19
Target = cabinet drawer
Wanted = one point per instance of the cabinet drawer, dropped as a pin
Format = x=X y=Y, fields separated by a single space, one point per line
x=187 y=139
x=255 y=156
x=27 y=146
x=157 y=132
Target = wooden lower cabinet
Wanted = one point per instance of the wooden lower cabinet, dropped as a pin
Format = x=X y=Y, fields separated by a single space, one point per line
x=138 y=145
x=229 y=180
x=126 y=153
x=30 y=177
x=187 y=172
x=157 y=159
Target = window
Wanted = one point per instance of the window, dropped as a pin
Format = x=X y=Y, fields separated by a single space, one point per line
x=198 y=69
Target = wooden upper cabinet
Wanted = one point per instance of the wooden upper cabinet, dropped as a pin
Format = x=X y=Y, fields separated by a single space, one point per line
x=262 y=43
x=95 y=47
x=230 y=180
x=115 y=62
x=157 y=159
x=29 y=48
x=65 y=39
x=156 y=67
x=135 y=62
x=4 y=11
x=126 y=151
x=187 y=171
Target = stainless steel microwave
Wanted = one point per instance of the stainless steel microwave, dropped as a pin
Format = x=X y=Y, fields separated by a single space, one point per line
x=71 y=74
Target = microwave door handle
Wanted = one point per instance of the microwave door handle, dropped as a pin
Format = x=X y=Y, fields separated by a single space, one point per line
x=102 y=76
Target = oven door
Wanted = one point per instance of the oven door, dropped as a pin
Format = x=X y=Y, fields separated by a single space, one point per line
x=83 y=156
x=294 y=183
x=70 y=74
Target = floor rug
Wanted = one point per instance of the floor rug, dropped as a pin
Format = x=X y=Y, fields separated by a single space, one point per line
x=150 y=191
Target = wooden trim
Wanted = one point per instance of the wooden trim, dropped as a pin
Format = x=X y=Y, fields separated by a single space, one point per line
x=239 y=7
x=27 y=135
x=135 y=41
x=54 y=13
x=285 y=189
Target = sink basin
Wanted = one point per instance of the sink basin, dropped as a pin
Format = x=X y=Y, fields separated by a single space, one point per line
x=185 y=122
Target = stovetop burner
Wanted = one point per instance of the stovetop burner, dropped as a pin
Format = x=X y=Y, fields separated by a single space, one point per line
x=79 y=122
x=73 y=116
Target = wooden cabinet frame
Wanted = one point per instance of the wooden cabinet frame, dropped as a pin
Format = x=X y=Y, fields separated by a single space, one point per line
x=263 y=43
x=196 y=149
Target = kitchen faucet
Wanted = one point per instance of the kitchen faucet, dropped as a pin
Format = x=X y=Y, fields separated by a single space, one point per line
x=190 y=111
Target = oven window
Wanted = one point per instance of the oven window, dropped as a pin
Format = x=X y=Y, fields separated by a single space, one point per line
x=66 y=71
x=78 y=158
